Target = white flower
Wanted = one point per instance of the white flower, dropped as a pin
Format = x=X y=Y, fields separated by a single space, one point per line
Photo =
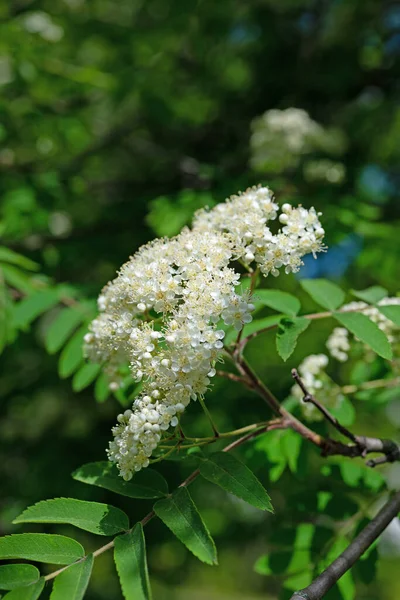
x=190 y=283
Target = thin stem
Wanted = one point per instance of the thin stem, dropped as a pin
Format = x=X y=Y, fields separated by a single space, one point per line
x=370 y=385
x=327 y=579
x=209 y=417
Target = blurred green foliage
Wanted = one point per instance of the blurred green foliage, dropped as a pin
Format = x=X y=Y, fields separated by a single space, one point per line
x=119 y=119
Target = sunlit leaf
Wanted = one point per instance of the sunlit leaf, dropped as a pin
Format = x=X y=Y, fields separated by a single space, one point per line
x=85 y=376
x=371 y=295
x=62 y=328
x=95 y=517
x=366 y=331
x=72 y=355
x=280 y=301
x=27 y=592
x=41 y=547
x=324 y=292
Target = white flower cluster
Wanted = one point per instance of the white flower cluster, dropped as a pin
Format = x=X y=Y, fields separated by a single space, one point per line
x=161 y=314
x=281 y=137
x=338 y=344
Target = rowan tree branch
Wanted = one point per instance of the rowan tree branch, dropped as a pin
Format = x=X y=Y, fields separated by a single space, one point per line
x=362 y=445
x=327 y=579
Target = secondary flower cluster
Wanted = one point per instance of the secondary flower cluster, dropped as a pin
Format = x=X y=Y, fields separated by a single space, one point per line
x=312 y=369
x=162 y=315
x=281 y=137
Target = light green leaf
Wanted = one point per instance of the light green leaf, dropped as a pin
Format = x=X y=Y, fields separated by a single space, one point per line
x=180 y=514
x=233 y=476
x=371 y=295
x=9 y=256
x=146 y=484
x=29 y=592
x=324 y=292
x=256 y=325
x=14 y=576
x=31 y=307
x=18 y=279
x=95 y=517
x=71 y=584
x=130 y=560
x=280 y=301
x=41 y=547
x=62 y=328
x=72 y=355
x=291 y=445
x=366 y=331
x=391 y=312
x=85 y=376
x=288 y=332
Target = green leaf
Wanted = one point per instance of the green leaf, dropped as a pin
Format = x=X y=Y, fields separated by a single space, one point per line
x=131 y=563
x=371 y=295
x=288 y=332
x=62 y=328
x=101 y=388
x=14 y=576
x=41 y=547
x=29 y=592
x=391 y=312
x=324 y=292
x=28 y=309
x=146 y=484
x=71 y=584
x=180 y=514
x=18 y=279
x=280 y=301
x=233 y=476
x=291 y=445
x=9 y=256
x=366 y=331
x=72 y=355
x=85 y=376
x=256 y=325
x=95 y=517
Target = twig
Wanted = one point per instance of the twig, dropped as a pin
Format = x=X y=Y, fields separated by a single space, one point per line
x=327 y=579
x=310 y=398
x=362 y=445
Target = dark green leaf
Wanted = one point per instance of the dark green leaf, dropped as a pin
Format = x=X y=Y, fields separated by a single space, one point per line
x=31 y=307
x=62 y=328
x=280 y=301
x=71 y=584
x=180 y=514
x=288 y=332
x=371 y=295
x=85 y=376
x=72 y=355
x=324 y=292
x=233 y=476
x=14 y=576
x=145 y=484
x=41 y=547
x=29 y=592
x=131 y=563
x=95 y=517
x=366 y=331
x=391 y=312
